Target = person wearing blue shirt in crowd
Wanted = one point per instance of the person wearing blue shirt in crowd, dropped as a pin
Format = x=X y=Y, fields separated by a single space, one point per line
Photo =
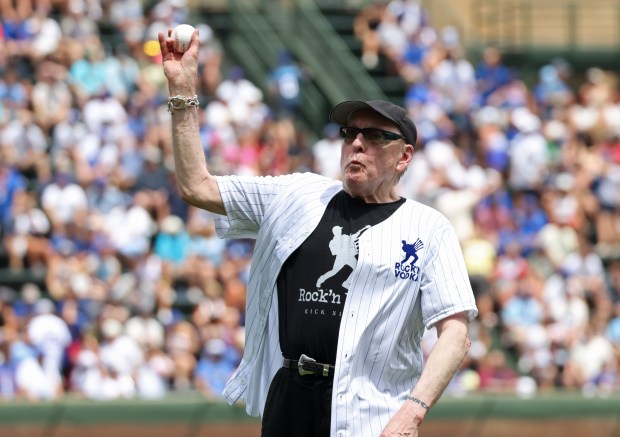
x=217 y=363
x=172 y=242
x=285 y=85
x=491 y=74
x=11 y=183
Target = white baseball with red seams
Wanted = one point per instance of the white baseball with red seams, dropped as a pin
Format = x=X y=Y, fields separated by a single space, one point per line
x=182 y=35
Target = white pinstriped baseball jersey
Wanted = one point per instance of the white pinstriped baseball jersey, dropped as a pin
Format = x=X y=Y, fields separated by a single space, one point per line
x=410 y=274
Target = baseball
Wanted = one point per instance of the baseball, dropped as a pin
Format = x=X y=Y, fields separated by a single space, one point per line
x=182 y=35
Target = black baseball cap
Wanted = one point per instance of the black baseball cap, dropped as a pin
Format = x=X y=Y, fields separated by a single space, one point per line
x=343 y=111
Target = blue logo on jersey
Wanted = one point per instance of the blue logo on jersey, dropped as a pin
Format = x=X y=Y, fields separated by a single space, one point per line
x=406 y=269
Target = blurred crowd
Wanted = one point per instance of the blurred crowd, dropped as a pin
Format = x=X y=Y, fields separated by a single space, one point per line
x=132 y=294
x=529 y=174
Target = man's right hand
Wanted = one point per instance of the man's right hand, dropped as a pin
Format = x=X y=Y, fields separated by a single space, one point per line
x=180 y=69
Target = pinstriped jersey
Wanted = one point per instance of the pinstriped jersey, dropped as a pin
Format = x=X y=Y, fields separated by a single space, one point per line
x=409 y=275
x=314 y=281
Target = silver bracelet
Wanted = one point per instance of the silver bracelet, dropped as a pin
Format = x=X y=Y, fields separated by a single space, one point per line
x=418 y=401
x=181 y=102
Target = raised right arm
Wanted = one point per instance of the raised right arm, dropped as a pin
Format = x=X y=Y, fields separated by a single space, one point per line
x=197 y=186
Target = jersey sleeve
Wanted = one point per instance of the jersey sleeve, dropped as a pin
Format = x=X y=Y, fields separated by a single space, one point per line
x=246 y=200
x=446 y=289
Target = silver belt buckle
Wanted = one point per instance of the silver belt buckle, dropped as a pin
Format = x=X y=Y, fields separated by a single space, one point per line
x=300 y=365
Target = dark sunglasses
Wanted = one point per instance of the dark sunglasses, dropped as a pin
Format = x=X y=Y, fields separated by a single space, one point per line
x=371 y=134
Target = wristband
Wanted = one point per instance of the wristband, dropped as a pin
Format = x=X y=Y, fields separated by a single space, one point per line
x=419 y=402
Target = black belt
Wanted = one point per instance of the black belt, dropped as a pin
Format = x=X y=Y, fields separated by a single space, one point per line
x=308 y=366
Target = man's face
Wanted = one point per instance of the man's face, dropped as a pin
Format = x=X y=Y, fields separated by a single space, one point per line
x=370 y=170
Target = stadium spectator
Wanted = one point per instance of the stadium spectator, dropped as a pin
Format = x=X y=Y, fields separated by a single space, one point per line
x=285 y=85
x=152 y=377
x=365 y=27
x=215 y=367
x=63 y=200
x=13 y=183
x=145 y=329
x=121 y=357
x=551 y=92
x=172 y=241
x=13 y=92
x=591 y=355
x=496 y=375
x=87 y=73
x=182 y=345
x=491 y=74
x=326 y=152
x=35 y=382
x=50 y=335
x=51 y=96
x=242 y=98
x=154 y=184
x=393 y=40
x=26 y=141
x=27 y=243
x=46 y=34
x=8 y=388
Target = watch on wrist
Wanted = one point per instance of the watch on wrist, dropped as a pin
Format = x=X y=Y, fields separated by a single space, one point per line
x=181 y=102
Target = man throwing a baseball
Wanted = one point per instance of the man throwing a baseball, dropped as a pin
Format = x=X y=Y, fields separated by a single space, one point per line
x=334 y=353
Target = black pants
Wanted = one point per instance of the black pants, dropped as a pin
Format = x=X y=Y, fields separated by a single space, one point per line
x=298 y=406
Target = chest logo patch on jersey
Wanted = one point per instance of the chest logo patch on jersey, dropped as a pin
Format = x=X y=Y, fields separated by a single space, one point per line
x=406 y=269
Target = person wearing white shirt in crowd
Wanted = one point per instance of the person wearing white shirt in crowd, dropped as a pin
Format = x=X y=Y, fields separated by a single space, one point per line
x=145 y=329
x=242 y=97
x=121 y=357
x=528 y=151
x=38 y=376
x=326 y=152
x=36 y=383
x=118 y=351
x=130 y=227
x=63 y=200
x=49 y=334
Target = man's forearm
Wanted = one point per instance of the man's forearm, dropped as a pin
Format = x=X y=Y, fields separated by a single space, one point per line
x=193 y=177
x=196 y=185
x=189 y=161
x=443 y=361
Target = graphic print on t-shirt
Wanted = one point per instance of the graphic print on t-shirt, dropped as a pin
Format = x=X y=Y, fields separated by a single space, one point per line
x=346 y=249
x=315 y=280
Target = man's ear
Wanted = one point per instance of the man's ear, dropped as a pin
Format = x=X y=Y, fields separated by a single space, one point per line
x=405 y=158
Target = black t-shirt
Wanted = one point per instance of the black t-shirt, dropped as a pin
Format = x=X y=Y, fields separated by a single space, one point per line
x=315 y=279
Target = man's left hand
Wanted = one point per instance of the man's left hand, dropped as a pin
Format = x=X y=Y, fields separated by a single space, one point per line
x=405 y=422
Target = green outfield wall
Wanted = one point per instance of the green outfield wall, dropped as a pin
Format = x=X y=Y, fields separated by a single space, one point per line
x=549 y=415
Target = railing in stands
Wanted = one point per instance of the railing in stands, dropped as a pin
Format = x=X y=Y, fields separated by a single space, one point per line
x=256 y=43
x=568 y=25
x=341 y=73
x=261 y=30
